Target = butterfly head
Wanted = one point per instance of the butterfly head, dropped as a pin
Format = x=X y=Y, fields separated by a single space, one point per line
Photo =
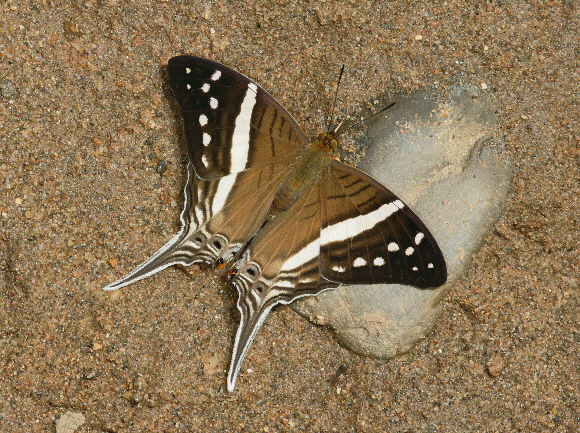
x=326 y=141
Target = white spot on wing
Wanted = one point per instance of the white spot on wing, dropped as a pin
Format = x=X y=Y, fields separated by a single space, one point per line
x=187 y=71
x=188 y=86
x=378 y=261
x=241 y=138
x=204 y=160
x=223 y=190
x=430 y=266
x=338 y=269
x=206 y=139
x=354 y=226
x=203 y=120
x=418 y=238
x=409 y=251
x=393 y=247
x=415 y=268
x=205 y=88
x=213 y=102
x=359 y=261
x=216 y=75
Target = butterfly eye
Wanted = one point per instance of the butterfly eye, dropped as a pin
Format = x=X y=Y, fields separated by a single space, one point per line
x=217 y=244
x=259 y=288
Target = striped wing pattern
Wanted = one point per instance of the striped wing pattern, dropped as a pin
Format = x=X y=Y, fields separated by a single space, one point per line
x=230 y=123
x=343 y=228
x=280 y=265
x=369 y=236
x=218 y=218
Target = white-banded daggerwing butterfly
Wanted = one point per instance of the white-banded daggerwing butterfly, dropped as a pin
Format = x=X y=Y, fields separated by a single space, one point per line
x=288 y=218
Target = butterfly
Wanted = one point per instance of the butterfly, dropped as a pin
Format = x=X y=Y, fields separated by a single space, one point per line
x=281 y=213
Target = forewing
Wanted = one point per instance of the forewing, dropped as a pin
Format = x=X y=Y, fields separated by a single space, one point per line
x=231 y=124
x=370 y=236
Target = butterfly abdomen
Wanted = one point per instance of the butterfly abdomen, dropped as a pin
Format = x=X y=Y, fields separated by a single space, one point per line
x=307 y=169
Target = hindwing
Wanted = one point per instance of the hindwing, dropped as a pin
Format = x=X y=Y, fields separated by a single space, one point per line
x=218 y=218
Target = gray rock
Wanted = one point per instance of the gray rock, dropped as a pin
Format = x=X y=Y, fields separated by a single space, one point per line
x=430 y=149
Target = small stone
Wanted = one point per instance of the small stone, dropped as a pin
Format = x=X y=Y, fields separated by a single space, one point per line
x=69 y=422
x=210 y=366
x=161 y=166
x=113 y=263
x=97 y=346
x=18 y=201
x=28 y=214
x=495 y=365
x=146 y=118
x=418 y=37
x=288 y=422
x=113 y=295
x=97 y=142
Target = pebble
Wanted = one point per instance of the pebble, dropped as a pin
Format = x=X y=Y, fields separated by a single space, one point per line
x=97 y=346
x=443 y=169
x=495 y=365
x=210 y=366
x=69 y=422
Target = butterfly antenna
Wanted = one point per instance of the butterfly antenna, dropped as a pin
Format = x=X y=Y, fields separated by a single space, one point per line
x=368 y=118
x=335 y=97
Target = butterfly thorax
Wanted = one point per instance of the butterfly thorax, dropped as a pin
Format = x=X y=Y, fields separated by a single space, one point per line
x=308 y=168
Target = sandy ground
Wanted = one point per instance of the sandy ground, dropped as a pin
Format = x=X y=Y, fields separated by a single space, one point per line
x=86 y=117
